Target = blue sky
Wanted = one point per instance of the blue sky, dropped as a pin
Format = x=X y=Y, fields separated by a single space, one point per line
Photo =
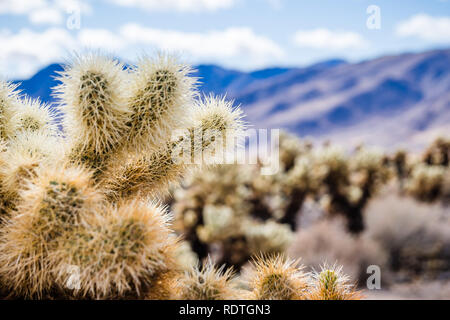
x=242 y=34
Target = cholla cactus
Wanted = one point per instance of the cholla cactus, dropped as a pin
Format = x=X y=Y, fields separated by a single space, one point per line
x=96 y=115
x=426 y=182
x=81 y=224
x=31 y=241
x=208 y=283
x=331 y=284
x=27 y=152
x=425 y=177
x=268 y=237
x=348 y=182
x=119 y=251
x=163 y=84
x=9 y=103
x=33 y=116
x=151 y=174
x=438 y=153
x=277 y=278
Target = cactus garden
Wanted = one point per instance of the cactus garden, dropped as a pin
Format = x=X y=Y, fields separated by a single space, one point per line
x=104 y=197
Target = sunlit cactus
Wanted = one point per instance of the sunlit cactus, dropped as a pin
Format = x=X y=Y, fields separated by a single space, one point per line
x=92 y=98
x=54 y=202
x=290 y=149
x=157 y=94
x=33 y=116
x=331 y=163
x=218 y=223
x=208 y=283
x=426 y=177
x=9 y=103
x=331 y=284
x=23 y=155
x=213 y=121
x=277 y=277
x=119 y=251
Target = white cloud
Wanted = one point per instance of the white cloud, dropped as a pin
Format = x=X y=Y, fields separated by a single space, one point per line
x=100 y=38
x=22 y=53
x=20 y=6
x=425 y=27
x=231 y=42
x=179 y=5
x=46 y=15
x=327 y=39
x=44 y=11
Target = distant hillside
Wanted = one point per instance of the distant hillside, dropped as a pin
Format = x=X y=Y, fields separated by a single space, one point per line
x=392 y=101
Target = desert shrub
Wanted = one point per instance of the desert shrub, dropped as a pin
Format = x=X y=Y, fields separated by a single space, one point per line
x=422 y=290
x=415 y=236
x=328 y=240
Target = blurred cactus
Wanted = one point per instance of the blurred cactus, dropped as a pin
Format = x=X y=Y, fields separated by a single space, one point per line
x=424 y=177
x=233 y=212
x=426 y=182
x=438 y=153
x=347 y=182
x=241 y=211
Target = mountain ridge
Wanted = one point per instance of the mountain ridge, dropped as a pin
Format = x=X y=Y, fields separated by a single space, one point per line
x=392 y=101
